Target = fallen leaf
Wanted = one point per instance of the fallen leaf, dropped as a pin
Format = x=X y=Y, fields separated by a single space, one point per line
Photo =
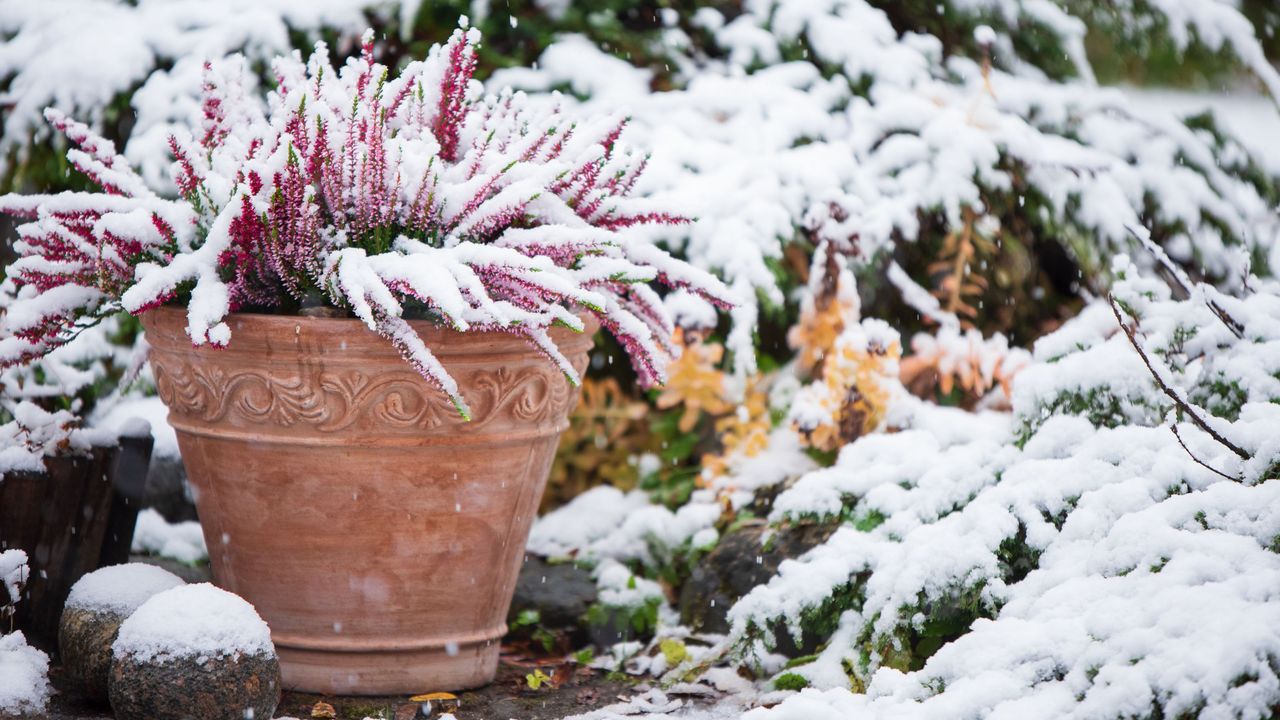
x=433 y=696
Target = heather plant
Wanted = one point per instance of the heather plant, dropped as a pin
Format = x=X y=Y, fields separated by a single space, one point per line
x=378 y=195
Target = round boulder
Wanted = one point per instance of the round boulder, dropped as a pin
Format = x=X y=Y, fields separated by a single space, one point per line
x=195 y=652
x=98 y=603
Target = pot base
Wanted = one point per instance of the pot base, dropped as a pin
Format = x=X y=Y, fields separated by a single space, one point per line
x=381 y=672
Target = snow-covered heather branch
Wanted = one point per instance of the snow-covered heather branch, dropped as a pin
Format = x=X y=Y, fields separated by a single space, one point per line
x=374 y=191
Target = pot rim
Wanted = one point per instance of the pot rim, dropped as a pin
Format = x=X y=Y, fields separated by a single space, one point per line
x=252 y=333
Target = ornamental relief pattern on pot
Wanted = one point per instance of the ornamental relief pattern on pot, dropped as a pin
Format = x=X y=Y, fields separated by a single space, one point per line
x=337 y=400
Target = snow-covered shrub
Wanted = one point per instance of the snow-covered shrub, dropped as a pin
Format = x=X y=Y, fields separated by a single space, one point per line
x=35 y=433
x=44 y=403
x=1212 y=360
x=372 y=193
x=133 y=69
x=1072 y=562
x=960 y=150
x=1051 y=562
x=805 y=121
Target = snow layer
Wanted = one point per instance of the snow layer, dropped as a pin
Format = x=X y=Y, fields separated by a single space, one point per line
x=120 y=589
x=150 y=409
x=24 y=677
x=13 y=571
x=181 y=541
x=193 y=621
x=80 y=56
x=35 y=433
x=755 y=148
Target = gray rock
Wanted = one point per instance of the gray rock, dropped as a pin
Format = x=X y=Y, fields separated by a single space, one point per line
x=84 y=641
x=99 y=602
x=561 y=592
x=189 y=689
x=167 y=490
x=738 y=563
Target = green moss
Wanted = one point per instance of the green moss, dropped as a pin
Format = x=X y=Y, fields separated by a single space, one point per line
x=791 y=681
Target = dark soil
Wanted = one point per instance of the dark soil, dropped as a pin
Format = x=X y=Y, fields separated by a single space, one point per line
x=69 y=705
x=577 y=690
x=509 y=696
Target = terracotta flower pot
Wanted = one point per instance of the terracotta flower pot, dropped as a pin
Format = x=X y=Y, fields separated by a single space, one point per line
x=376 y=531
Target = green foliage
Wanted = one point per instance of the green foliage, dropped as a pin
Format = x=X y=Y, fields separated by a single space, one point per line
x=1220 y=395
x=536 y=679
x=1099 y=406
x=1130 y=43
x=869 y=520
x=791 y=681
x=528 y=623
x=1017 y=558
x=639 y=621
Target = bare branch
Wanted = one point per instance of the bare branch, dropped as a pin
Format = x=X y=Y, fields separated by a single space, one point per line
x=1185 y=283
x=1177 y=399
x=1201 y=463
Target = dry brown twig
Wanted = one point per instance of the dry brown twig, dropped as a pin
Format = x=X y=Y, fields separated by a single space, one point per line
x=1177 y=399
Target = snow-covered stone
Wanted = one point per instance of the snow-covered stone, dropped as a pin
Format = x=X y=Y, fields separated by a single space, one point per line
x=193 y=621
x=120 y=588
x=194 y=652
x=99 y=602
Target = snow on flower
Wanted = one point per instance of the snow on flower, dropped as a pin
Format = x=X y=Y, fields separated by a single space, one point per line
x=373 y=192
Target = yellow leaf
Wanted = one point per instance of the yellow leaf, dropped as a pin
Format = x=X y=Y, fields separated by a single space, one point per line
x=537 y=679
x=694 y=382
x=433 y=696
x=674 y=651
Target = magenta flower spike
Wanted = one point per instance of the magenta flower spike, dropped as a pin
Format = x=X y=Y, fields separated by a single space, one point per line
x=372 y=191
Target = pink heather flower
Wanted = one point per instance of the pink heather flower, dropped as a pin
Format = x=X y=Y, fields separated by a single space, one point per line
x=373 y=190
